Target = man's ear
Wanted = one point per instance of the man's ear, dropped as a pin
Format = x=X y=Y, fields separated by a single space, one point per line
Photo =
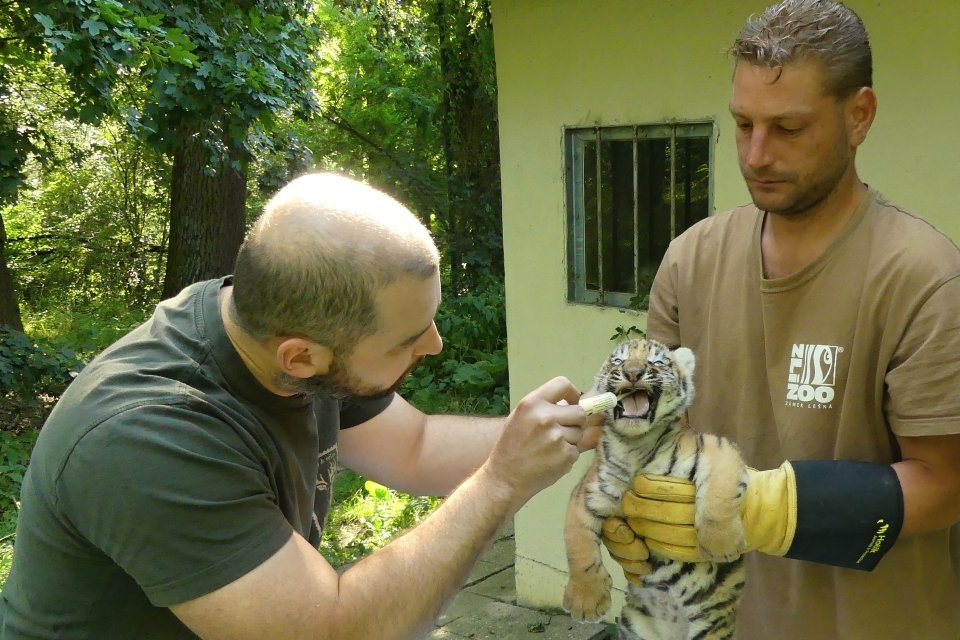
x=302 y=358
x=861 y=110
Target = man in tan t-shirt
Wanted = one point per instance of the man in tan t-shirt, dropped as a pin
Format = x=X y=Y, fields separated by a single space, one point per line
x=826 y=323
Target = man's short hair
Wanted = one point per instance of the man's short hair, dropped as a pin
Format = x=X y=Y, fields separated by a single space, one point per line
x=799 y=30
x=315 y=260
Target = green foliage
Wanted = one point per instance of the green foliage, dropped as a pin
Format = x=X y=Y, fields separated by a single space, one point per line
x=86 y=331
x=15 y=451
x=91 y=228
x=409 y=103
x=202 y=82
x=470 y=228
x=24 y=69
x=31 y=372
x=378 y=73
x=6 y=557
x=366 y=515
x=470 y=375
x=172 y=66
x=622 y=334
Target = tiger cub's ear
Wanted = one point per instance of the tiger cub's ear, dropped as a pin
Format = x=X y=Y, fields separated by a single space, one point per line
x=684 y=360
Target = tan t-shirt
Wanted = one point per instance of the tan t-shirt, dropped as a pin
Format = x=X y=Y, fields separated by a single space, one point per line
x=828 y=363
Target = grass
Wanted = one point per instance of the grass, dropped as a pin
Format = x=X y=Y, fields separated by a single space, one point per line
x=365 y=516
x=85 y=332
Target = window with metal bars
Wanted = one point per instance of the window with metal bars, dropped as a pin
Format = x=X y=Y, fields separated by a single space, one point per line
x=630 y=191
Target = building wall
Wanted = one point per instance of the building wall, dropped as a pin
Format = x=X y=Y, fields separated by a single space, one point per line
x=568 y=62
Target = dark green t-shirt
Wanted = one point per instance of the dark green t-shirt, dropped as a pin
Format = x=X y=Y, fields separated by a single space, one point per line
x=165 y=472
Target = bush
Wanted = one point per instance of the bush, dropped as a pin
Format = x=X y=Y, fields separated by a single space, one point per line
x=470 y=375
x=33 y=374
x=15 y=451
x=85 y=329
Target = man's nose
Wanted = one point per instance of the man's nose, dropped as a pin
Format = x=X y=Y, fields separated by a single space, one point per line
x=430 y=343
x=757 y=153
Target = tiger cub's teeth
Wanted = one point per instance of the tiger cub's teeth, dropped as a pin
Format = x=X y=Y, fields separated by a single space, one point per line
x=598 y=403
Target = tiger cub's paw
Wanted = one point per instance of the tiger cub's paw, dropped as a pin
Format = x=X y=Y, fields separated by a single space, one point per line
x=587 y=596
x=721 y=541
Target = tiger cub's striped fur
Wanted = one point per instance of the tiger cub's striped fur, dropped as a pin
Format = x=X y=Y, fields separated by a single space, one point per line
x=646 y=433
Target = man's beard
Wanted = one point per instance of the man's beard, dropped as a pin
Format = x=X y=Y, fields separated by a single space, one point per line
x=340 y=383
x=809 y=190
x=805 y=197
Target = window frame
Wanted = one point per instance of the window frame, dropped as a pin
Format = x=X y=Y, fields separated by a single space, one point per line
x=573 y=138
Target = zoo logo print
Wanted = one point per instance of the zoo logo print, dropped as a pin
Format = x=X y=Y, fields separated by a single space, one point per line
x=812 y=376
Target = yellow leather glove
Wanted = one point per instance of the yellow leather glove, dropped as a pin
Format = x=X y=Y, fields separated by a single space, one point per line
x=626 y=548
x=662 y=511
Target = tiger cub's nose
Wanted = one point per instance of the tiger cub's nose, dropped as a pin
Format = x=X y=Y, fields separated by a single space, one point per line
x=633 y=373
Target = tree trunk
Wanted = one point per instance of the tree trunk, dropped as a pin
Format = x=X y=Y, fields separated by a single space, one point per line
x=468 y=114
x=9 y=308
x=207 y=216
x=452 y=200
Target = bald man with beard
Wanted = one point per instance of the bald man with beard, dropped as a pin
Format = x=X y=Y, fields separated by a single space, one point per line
x=180 y=487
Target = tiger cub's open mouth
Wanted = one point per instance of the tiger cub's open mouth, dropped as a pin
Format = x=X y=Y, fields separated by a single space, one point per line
x=634 y=405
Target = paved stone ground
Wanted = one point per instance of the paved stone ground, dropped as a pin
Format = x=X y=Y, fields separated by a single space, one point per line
x=486 y=608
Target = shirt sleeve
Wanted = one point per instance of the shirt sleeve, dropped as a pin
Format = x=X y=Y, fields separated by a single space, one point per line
x=358 y=411
x=923 y=381
x=177 y=498
x=663 y=319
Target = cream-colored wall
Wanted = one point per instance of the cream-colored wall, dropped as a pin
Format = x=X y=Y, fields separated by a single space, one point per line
x=569 y=62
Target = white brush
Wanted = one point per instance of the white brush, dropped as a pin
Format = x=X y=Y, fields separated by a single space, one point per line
x=598 y=403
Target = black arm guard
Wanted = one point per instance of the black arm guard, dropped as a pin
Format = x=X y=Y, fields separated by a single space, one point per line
x=848 y=513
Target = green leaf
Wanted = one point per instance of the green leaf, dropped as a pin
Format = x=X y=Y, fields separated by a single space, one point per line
x=183 y=56
x=93 y=27
x=45 y=21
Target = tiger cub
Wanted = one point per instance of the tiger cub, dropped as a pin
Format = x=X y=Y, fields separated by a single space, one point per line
x=646 y=432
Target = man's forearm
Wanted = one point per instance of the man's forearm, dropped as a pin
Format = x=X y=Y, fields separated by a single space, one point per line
x=454 y=447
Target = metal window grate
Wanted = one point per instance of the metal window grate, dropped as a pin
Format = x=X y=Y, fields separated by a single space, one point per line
x=630 y=190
